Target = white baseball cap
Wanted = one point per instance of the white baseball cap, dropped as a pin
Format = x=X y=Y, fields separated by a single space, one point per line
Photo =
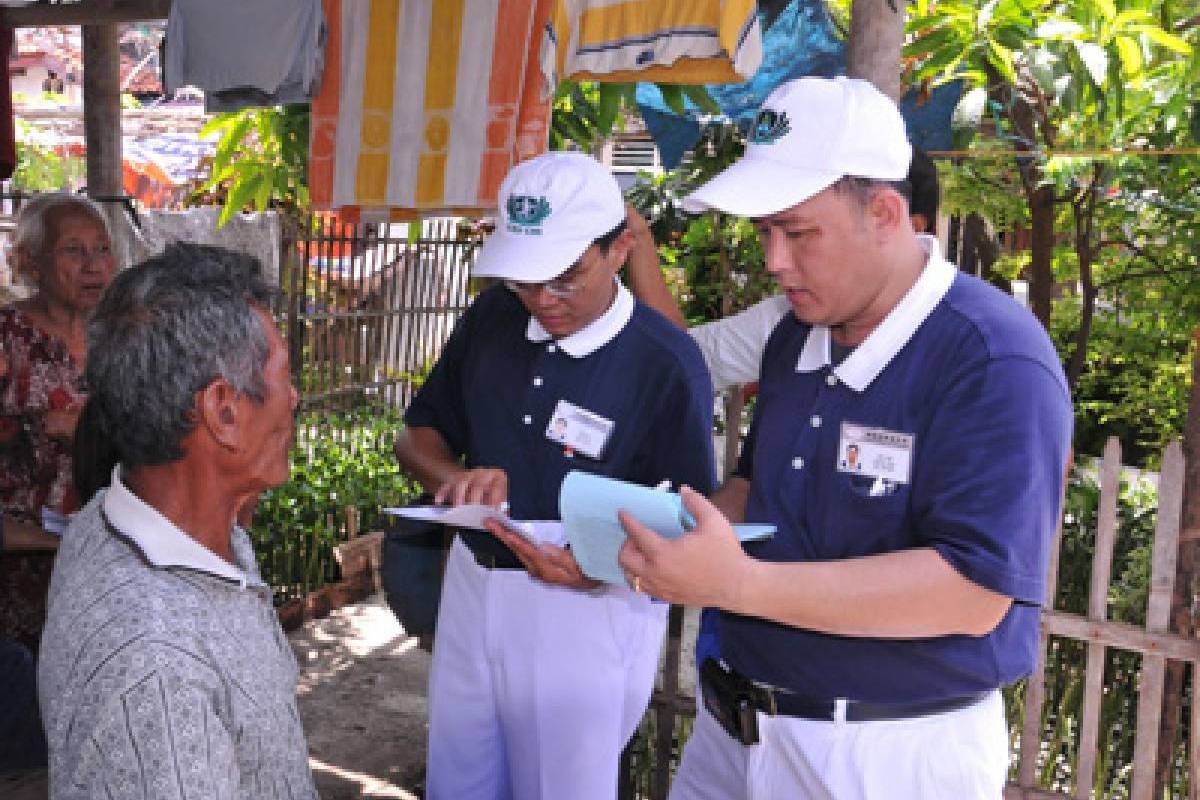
x=808 y=134
x=551 y=210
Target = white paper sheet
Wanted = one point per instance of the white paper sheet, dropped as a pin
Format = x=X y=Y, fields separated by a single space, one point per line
x=473 y=516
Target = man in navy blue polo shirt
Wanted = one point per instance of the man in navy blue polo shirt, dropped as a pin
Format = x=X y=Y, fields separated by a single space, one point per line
x=539 y=675
x=909 y=443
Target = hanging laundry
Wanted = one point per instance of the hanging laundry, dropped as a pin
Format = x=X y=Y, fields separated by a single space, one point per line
x=665 y=41
x=245 y=53
x=800 y=40
x=425 y=105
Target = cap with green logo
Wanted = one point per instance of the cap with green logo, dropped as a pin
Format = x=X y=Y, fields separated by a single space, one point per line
x=551 y=208
x=769 y=126
x=808 y=134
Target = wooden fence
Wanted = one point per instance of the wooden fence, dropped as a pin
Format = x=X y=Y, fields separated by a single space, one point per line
x=651 y=761
x=1154 y=642
x=367 y=307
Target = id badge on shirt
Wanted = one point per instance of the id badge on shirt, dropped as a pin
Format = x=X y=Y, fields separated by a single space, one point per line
x=579 y=430
x=875 y=453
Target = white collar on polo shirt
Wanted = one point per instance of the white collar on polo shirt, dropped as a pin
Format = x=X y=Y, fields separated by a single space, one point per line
x=863 y=365
x=160 y=541
x=596 y=333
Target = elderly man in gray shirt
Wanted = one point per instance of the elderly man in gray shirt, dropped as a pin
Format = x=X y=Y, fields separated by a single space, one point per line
x=164 y=673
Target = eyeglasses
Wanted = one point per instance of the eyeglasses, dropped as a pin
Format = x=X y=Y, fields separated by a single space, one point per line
x=77 y=252
x=561 y=288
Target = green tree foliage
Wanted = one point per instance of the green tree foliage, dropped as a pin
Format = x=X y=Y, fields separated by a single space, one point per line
x=1112 y=236
x=261 y=160
x=41 y=169
x=586 y=113
x=713 y=261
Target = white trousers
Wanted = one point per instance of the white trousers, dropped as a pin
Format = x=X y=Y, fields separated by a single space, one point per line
x=535 y=689
x=959 y=755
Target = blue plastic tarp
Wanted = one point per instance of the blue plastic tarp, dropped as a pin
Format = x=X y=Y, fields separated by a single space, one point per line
x=802 y=40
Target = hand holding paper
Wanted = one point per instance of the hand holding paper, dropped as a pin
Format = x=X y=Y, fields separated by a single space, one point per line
x=538 y=543
x=589 y=504
x=707 y=567
x=546 y=562
x=477 y=486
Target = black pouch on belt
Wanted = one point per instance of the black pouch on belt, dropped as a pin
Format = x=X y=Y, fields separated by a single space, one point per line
x=732 y=700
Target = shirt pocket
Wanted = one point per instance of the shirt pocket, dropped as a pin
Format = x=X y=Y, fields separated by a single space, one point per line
x=871 y=515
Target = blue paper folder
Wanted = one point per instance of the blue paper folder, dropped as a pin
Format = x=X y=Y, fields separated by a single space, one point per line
x=588 y=505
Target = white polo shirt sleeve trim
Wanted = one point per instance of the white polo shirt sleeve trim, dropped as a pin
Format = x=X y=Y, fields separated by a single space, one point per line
x=160 y=541
x=595 y=334
x=876 y=351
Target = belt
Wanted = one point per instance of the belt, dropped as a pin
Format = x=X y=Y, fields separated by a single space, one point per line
x=784 y=703
x=736 y=694
x=490 y=552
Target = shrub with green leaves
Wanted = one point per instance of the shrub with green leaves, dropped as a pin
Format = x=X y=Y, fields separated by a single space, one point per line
x=340 y=460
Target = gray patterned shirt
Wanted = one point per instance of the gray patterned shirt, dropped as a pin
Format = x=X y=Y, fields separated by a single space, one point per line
x=163 y=670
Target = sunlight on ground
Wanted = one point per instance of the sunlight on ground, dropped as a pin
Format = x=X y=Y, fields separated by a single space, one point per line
x=370 y=785
x=361 y=697
x=338 y=641
x=362 y=628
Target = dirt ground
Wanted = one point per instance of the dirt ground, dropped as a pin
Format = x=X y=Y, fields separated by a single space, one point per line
x=362 y=700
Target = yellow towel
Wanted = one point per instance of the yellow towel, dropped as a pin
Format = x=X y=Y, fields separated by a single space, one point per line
x=426 y=104
x=667 y=41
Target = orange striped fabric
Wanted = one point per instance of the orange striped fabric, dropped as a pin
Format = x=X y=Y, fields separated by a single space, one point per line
x=426 y=104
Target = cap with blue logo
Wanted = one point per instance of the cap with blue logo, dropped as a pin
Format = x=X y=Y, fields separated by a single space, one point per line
x=808 y=134
x=551 y=209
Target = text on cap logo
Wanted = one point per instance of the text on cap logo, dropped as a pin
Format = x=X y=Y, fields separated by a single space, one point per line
x=527 y=211
x=769 y=126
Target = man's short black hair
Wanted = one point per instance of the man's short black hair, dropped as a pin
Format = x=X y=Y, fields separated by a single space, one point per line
x=923 y=182
x=919 y=187
x=604 y=242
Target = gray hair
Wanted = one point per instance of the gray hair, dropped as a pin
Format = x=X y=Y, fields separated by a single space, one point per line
x=33 y=227
x=164 y=330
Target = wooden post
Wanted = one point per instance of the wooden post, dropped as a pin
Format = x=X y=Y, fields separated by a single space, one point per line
x=1158 y=615
x=1184 y=602
x=102 y=109
x=876 y=36
x=86 y=12
x=1106 y=535
x=1035 y=690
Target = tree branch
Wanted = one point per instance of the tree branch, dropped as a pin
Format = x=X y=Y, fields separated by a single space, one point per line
x=1157 y=272
x=1187 y=24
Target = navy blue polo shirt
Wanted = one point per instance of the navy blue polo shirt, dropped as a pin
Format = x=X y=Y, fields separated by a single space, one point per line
x=974 y=379
x=492 y=392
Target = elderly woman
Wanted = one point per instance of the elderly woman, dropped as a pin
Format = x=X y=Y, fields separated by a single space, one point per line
x=62 y=248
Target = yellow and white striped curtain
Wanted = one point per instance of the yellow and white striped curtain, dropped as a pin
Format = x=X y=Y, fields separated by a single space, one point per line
x=426 y=104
